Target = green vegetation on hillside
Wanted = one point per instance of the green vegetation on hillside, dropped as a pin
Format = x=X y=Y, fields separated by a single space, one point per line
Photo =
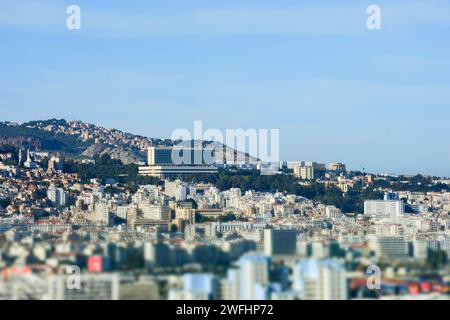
x=417 y=183
x=47 y=140
x=106 y=168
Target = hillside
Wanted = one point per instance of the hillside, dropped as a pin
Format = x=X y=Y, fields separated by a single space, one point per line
x=83 y=140
x=75 y=138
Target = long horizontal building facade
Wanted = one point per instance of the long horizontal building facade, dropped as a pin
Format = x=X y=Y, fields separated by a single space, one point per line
x=161 y=164
x=384 y=208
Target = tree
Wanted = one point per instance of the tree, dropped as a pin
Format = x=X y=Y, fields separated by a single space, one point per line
x=4 y=202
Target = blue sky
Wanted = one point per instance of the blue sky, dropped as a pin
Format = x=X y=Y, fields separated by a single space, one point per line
x=337 y=91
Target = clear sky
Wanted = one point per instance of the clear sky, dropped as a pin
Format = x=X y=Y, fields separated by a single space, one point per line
x=336 y=90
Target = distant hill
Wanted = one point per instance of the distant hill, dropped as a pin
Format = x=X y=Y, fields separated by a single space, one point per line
x=21 y=135
x=83 y=140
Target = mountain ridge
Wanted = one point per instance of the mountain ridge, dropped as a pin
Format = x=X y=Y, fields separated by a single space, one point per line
x=80 y=139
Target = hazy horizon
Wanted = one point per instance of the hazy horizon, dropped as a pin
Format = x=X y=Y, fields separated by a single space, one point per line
x=282 y=159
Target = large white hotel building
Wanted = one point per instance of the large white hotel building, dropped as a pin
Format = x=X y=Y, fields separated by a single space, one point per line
x=160 y=162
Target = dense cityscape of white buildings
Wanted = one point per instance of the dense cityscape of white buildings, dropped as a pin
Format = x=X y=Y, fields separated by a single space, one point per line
x=184 y=240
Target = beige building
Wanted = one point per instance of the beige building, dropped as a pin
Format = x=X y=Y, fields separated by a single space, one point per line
x=304 y=172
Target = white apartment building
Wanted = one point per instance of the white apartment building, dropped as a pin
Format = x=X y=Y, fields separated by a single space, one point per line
x=320 y=280
x=304 y=172
x=384 y=208
x=58 y=196
x=420 y=249
x=176 y=189
x=331 y=212
x=101 y=213
x=245 y=283
x=150 y=211
x=389 y=229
